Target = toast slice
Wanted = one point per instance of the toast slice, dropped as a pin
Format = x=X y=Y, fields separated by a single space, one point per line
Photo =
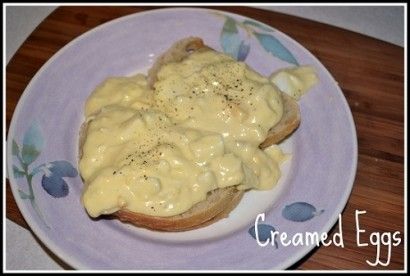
x=183 y=48
x=220 y=202
x=288 y=123
x=218 y=205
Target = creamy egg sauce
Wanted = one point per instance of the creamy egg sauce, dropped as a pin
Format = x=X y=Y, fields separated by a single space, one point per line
x=160 y=151
x=295 y=81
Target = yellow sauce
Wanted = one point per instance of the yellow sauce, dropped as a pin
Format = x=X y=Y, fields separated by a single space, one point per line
x=160 y=151
x=295 y=81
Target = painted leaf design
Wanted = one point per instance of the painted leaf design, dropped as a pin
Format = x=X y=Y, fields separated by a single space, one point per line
x=230 y=39
x=243 y=51
x=300 y=211
x=257 y=25
x=23 y=195
x=33 y=137
x=275 y=47
x=264 y=233
x=29 y=153
x=53 y=182
x=15 y=149
x=32 y=144
x=230 y=25
x=17 y=173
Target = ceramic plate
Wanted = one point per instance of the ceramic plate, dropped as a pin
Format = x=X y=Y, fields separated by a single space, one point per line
x=43 y=146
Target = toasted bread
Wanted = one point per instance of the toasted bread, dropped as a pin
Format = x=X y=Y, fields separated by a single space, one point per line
x=219 y=202
x=183 y=48
x=218 y=205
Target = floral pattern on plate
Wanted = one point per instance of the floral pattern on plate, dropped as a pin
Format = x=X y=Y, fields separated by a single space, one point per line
x=235 y=36
x=52 y=172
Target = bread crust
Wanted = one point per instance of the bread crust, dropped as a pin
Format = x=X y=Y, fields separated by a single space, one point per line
x=287 y=125
x=220 y=202
x=218 y=205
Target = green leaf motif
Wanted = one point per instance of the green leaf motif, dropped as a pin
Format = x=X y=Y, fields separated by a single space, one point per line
x=32 y=144
x=230 y=39
x=23 y=195
x=257 y=25
x=29 y=153
x=272 y=45
x=17 y=172
x=230 y=26
x=15 y=149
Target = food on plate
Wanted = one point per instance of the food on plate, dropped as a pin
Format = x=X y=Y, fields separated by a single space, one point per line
x=295 y=81
x=176 y=149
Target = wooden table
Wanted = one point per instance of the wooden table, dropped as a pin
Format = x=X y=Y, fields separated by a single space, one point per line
x=371 y=75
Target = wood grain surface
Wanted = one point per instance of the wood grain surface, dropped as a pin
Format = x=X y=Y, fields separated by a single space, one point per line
x=371 y=75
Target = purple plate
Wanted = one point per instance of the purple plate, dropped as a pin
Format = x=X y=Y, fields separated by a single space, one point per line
x=42 y=150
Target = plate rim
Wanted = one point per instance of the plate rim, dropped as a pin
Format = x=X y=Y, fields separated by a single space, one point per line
x=74 y=261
